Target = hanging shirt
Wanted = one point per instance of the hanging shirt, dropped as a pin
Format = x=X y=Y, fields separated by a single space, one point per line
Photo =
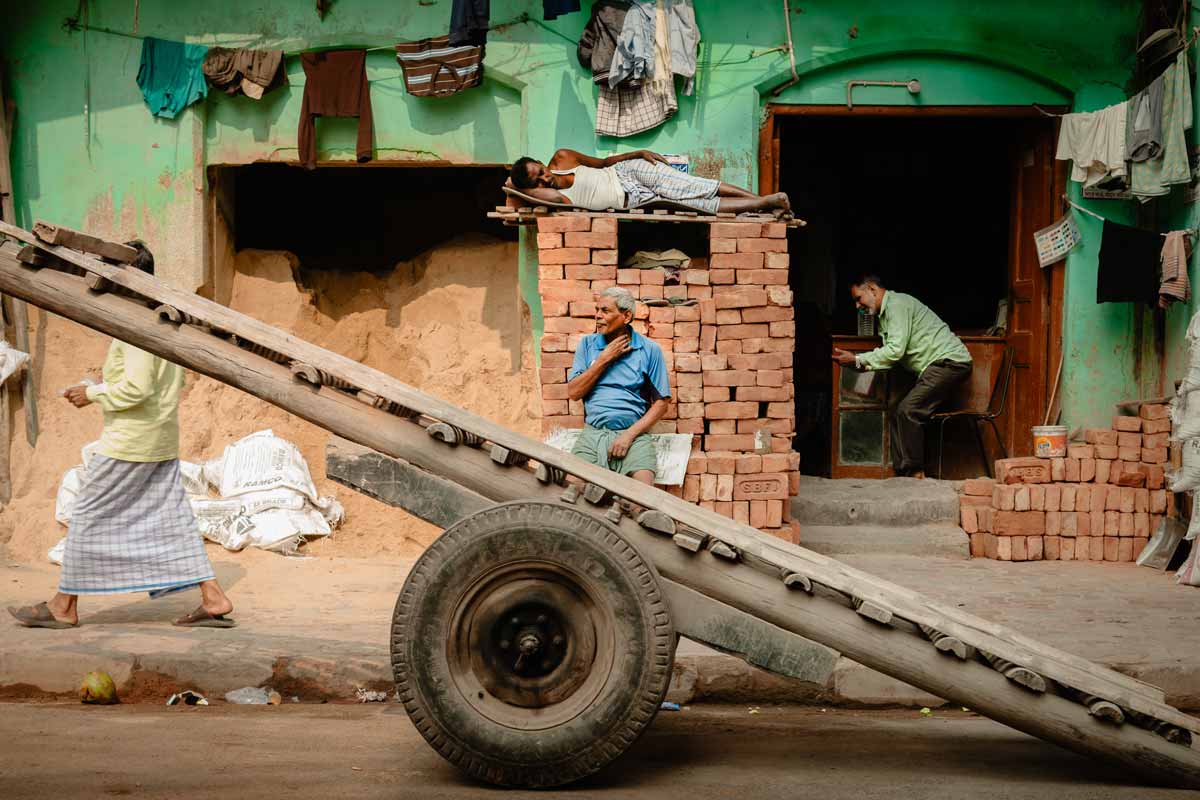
x=335 y=86
x=469 y=21
x=1143 y=139
x=623 y=394
x=171 y=75
x=634 y=56
x=598 y=42
x=913 y=337
x=1095 y=142
x=1128 y=271
x=685 y=37
x=1156 y=176
x=140 y=401
x=243 y=71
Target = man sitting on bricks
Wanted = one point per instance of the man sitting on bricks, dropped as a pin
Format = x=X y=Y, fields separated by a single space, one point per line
x=915 y=338
x=621 y=377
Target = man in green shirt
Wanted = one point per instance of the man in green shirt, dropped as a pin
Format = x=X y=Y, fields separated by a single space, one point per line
x=915 y=338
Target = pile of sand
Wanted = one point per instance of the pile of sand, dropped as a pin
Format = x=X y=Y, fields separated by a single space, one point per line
x=450 y=322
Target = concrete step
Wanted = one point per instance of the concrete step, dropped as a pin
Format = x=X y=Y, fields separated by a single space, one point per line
x=926 y=541
x=900 y=502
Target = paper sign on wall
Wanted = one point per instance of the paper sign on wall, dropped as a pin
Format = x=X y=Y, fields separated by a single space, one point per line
x=1055 y=241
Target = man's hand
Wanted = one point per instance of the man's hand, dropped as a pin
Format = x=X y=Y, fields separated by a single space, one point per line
x=621 y=445
x=651 y=156
x=78 y=396
x=615 y=349
x=843 y=357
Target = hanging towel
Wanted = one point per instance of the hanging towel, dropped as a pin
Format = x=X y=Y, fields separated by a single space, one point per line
x=171 y=75
x=469 y=20
x=685 y=37
x=335 y=86
x=553 y=9
x=1143 y=139
x=242 y=71
x=598 y=42
x=1175 y=285
x=1128 y=270
x=1155 y=177
x=1095 y=142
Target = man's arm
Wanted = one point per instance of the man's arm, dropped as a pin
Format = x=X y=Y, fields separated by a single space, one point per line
x=135 y=386
x=565 y=159
x=622 y=443
x=895 y=342
x=585 y=376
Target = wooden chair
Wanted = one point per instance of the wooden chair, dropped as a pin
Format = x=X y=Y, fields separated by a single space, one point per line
x=977 y=417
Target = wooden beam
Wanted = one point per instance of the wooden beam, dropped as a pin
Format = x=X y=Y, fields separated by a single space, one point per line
x=19 y=315
x=742 y=584
x=84 y=242
x=1065 y=668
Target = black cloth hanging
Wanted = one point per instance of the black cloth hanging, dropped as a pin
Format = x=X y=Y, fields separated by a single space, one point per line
x=469 y=20
x=553 y=9
x=1128 y=270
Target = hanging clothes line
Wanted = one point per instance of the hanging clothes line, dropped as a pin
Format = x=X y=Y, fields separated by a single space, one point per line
x=1089 y=212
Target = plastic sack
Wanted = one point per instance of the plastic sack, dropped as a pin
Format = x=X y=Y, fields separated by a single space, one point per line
x=68 y=490
x=1187 y=477
x=232 y=532
x=194 y=482
x=11 y=360
x=1185 y=416
x=262 y=462
x=1162 y=545
x=282 y=530
x=1189 y=573
x=1191 y=381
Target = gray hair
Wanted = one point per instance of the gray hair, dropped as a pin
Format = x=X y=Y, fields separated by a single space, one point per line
x=623 y=300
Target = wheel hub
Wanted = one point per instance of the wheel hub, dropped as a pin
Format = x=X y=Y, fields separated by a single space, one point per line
x=524 y=652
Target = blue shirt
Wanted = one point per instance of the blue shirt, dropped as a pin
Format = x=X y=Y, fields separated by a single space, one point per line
x=624 y=392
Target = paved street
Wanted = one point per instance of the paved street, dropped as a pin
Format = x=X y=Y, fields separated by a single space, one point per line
x=333 y=751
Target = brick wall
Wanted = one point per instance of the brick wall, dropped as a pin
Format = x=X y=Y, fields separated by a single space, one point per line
x=729 y=354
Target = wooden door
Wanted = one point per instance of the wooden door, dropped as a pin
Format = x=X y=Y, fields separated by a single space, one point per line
x=1029 y=316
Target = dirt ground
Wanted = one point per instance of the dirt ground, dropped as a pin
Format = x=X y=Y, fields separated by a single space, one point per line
x=450 y=322
x=701 y=753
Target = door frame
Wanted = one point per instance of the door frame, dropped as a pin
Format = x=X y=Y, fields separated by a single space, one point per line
x=1051 y=280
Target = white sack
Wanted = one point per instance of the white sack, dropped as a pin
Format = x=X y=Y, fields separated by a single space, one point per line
x=262 y=461
x=11 y=360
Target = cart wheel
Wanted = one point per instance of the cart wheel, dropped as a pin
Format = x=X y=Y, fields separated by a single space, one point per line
x=531 y=644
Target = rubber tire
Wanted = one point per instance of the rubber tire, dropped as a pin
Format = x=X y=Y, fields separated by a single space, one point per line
x=627 y=702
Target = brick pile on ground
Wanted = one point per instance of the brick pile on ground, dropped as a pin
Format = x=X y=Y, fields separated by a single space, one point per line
x=729 y=354
x=1100 y=503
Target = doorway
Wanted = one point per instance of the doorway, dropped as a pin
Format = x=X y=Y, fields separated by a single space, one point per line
x=941 y=203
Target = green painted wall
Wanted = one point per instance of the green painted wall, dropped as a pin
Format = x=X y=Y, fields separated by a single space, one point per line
x=136 y=174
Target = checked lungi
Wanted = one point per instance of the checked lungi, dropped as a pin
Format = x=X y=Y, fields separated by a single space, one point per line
x=132 y=530
x=645 y=181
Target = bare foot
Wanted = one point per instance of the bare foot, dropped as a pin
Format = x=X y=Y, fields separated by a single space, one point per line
x=919 y=475
x=63 y=612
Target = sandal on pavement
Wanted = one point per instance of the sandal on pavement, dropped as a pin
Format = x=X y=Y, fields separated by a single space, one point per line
x=202 y=619
x=39 y=616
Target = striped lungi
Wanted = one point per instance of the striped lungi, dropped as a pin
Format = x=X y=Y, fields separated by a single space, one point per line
x=646 y=182
x=132 y=530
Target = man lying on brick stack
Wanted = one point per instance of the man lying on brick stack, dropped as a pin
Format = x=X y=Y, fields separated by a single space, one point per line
x=631 y=180
x=621 y=377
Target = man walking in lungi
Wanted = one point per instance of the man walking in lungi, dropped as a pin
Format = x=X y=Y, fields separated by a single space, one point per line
x=132 y=529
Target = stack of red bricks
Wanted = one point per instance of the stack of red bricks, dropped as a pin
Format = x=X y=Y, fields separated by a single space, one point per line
x=729 y=353
x=1100 y=503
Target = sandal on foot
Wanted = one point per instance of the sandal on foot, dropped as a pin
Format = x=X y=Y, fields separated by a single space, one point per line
x=39 y=616
x=202 y=619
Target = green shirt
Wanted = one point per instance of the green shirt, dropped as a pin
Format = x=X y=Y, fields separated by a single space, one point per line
x=913 y=336
x=140 y=400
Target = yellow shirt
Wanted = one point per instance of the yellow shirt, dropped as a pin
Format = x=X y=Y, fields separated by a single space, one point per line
x=140 y=399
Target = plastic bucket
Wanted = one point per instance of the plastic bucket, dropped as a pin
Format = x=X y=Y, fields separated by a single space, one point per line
x=1050 y=441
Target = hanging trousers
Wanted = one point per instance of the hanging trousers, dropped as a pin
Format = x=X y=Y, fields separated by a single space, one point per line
x=907 y=436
